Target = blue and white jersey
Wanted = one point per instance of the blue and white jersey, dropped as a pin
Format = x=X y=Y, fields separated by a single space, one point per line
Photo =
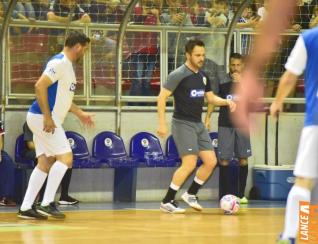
x=61 y=92
x=304 y=56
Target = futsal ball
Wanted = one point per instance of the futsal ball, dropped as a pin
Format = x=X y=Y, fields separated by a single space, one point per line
x=230 y=204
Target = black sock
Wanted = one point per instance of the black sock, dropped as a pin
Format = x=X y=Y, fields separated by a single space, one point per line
x=242 y=180
x=41 y=192
x=66 y=183
x=224 y=180
x=170 y=195
x=194 y=188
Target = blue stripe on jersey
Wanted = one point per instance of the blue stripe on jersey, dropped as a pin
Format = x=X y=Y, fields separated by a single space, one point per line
x=35 y=108
x=311 y=76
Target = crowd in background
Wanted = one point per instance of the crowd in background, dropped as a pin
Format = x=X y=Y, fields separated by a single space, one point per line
x=142 y=49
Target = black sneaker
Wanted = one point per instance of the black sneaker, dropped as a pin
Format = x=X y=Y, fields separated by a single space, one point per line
x=31 y=214
x=51 y=210
x=67 y=200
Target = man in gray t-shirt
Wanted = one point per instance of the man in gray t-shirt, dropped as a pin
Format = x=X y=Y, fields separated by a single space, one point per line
x=189 y=86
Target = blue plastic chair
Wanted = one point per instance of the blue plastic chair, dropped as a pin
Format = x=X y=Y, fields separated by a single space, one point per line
x=109 y=149
x=172 y=151
x=22 y=162
x=81 y=156
x=146 y=148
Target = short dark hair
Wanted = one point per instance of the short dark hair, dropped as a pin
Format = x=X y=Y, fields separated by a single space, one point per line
x=75 y=37
x=192 y=43
x=237 y=56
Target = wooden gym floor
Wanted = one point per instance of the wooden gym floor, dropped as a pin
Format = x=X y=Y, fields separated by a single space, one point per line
x=259 y=222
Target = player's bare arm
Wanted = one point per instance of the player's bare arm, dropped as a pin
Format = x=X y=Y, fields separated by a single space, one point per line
x=41 y=93
x=86 y=118
x=286 y=85
x=207 y=120
x=218 y=101
x=161 y=108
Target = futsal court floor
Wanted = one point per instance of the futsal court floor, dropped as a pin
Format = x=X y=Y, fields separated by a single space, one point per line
x=258 y=222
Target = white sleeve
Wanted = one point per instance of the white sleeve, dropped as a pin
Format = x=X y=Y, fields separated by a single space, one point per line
x=297 y=59
x=53 y=70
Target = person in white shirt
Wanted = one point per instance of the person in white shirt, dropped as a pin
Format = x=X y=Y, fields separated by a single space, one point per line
x=54 y=99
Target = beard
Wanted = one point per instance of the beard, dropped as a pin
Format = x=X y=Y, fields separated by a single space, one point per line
x=198 y=64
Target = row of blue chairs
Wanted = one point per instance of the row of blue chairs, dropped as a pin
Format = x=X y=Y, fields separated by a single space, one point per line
x=109 y=151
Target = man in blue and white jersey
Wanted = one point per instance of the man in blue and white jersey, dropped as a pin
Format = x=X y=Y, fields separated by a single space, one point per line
x=54 y=99
x=304 y=57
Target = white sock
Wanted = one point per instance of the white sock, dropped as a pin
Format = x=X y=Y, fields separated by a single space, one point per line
x=36 y=181
x=197 y=180
x=174 y=187
x=295 y=195
x=54 y=179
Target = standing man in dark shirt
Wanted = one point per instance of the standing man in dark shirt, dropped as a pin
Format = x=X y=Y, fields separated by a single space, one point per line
x=231 y=142
x=189 y=85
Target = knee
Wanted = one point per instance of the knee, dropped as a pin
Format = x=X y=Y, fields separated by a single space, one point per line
x=188 y=167
x=224 y=162
x=210 y=163
x=45 y=167
x=243 y=162
x=66 y=159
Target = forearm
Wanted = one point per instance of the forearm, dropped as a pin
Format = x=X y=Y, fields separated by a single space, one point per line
x=161 y=108
x=285 y=86
x=218 y=101
x=76 y=110
x=209 y=112
x=42 y=99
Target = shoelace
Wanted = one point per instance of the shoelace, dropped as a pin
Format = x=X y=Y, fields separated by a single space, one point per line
x=193 y=199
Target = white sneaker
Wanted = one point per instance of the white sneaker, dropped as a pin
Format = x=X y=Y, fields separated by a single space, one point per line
x=171 y=207
x=192 y=201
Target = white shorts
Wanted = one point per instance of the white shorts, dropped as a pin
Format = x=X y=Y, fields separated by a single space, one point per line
x=307 y=157
x=48 y=143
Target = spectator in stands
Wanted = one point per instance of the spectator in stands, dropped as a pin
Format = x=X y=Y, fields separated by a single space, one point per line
x=262 y=11
x=26 y=8
x=122 y=8
x=302 y=16
x=41 y=8
x=144 y=48
x=96 y=10
x=65 y=11
x=7 y=175
x=29 y=153
x=22 y=11
x=314 y=19
x=247 y=20
x=174 y=14
x=216 y=17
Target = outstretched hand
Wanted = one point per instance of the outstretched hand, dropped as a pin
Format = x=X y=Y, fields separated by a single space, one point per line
x=88 y=119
